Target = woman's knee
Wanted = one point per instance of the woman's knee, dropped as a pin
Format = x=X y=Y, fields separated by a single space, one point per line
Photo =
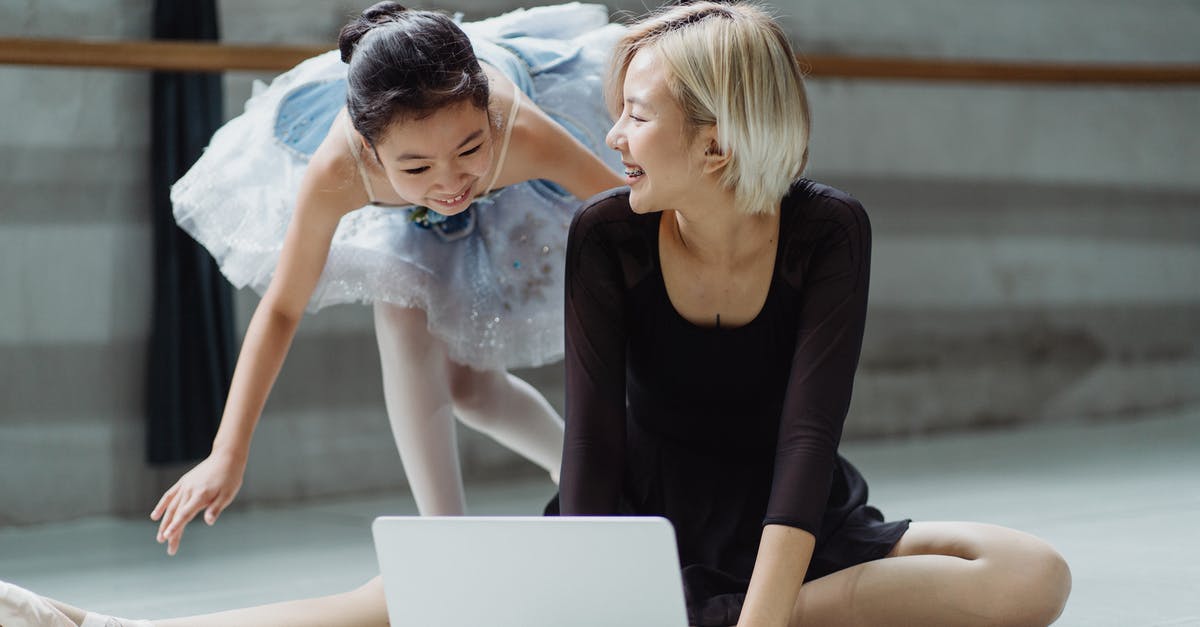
x=1029 y=581
x=1047 y=585
x=1014 y=578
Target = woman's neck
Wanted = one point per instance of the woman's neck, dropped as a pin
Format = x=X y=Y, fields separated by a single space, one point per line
x=714 y=231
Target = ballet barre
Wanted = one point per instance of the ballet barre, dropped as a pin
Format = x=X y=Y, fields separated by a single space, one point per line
x=197 y=56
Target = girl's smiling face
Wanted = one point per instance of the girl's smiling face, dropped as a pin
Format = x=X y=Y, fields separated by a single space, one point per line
x=439 y=161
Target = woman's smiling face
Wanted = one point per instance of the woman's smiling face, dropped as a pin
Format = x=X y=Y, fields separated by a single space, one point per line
x=655 y=143
x=439 y=161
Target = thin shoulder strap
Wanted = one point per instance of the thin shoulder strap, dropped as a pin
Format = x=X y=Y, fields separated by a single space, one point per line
x=512 y=116
x=356 y=150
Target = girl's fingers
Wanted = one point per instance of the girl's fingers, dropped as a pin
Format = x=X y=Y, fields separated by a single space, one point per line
x=185 y=514
x=214 y=511
x=169 y=517
x=173 y=543
x=166 y=499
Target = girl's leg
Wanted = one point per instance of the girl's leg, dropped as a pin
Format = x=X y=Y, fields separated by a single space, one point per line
x=945 y=574
x=363 y=607
x=416 y=392
x=511 y=411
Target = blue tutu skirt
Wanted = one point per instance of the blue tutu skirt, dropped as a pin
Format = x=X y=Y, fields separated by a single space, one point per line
x=491 y=286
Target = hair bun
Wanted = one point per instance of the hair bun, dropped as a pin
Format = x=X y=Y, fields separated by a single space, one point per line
x=381 y=11
x=372 y=16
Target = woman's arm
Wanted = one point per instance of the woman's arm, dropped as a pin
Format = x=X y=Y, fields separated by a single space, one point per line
x=779 y=569
x=325 y=196
x=827 y=258
x=594 y=445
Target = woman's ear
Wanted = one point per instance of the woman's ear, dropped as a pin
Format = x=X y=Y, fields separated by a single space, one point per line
x=715 y=159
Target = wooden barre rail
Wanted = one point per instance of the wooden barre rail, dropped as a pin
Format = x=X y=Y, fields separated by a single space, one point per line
x=216 y=57
x=189 y=56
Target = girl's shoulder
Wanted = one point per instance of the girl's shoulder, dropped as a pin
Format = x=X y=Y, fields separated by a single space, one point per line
x=333 y=173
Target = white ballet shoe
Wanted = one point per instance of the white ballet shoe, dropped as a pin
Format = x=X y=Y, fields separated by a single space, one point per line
x=21 y=608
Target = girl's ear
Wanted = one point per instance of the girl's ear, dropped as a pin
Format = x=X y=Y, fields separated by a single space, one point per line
x=367 y=147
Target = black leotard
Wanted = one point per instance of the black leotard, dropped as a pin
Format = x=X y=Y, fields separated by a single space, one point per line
x=720 y=430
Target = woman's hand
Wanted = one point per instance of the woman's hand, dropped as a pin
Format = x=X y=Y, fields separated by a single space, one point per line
x=210 y=486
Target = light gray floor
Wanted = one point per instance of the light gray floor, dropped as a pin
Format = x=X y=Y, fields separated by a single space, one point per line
x=1120 y=500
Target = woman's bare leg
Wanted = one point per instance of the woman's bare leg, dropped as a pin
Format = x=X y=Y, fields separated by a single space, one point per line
x=943 y=573
x=362 y=607
x=510 y=411
x=416 y=391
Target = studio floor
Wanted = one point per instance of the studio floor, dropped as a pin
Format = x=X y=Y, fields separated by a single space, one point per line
x=1119 y=499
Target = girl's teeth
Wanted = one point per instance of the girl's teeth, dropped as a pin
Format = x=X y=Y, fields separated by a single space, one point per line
x=634 y=171
x=455 y=200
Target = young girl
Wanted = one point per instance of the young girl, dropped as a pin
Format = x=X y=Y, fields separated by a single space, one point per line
x=714 y=317
x=431 y=169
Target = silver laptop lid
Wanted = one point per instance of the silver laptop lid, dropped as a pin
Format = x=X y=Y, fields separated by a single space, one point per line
x=530 y=571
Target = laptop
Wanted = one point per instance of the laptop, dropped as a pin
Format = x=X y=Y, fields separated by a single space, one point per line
x=530 y=571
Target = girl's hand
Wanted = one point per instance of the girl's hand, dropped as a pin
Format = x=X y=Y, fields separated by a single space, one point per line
x=210 y=486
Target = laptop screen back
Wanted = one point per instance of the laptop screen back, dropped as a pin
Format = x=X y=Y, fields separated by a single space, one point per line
x=530 y=571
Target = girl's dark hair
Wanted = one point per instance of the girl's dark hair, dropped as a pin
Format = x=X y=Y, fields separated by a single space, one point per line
x=406 y=63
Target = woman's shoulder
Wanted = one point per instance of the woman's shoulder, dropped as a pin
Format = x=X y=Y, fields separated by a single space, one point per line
x=605 y=214
x=606 y=231
x=820 y=223
x=810 y=201
x=814 y=211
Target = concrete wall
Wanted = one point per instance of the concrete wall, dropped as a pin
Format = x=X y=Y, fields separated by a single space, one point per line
x=1035 y=247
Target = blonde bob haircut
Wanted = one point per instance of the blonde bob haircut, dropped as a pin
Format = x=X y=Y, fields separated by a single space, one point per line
x=729 y=65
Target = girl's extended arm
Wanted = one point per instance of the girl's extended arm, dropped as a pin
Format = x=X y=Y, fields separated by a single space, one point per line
x=326 y=194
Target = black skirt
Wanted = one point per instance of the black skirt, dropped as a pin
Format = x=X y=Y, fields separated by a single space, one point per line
x=718 y=545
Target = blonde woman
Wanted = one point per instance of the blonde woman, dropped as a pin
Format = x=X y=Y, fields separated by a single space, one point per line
x=714 y=317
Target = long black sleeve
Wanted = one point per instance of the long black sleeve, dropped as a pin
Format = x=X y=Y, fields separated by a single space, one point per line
x=596 y=337
x=829 y=262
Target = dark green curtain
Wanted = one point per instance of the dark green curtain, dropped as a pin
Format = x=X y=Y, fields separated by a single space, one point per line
x=191 y=345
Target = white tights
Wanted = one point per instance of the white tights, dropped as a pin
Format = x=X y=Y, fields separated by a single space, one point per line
x=424 y=390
